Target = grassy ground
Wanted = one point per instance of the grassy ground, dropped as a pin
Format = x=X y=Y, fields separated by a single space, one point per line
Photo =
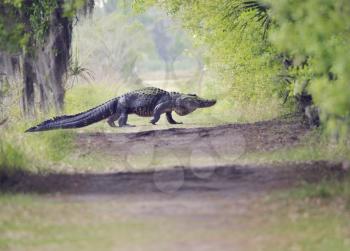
x=31 y=222
x=310 y=217
x=313 y=147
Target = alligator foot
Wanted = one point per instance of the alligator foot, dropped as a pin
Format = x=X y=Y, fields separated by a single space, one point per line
x=111 y=123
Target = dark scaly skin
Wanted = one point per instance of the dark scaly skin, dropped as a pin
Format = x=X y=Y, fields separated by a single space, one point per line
x=147 y=102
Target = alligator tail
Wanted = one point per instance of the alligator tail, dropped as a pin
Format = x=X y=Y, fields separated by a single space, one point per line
x=78 y=120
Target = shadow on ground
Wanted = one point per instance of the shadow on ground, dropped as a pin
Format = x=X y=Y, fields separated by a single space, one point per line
x=223 y=179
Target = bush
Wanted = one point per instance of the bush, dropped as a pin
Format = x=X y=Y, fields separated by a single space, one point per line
x=11 y=157
x=32 y=152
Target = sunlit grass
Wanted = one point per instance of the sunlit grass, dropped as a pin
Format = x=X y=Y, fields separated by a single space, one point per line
x=37 y=223
x=308 y=228
x=31 y=222
x=314 y=146
x=32 y=151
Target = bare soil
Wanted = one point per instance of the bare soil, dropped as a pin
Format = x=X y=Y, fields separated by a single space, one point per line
x=197 y=196
x=220 y=141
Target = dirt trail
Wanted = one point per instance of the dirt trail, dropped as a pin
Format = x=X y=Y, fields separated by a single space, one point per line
x=187 y=176
x=198 y=205
x=260 y=136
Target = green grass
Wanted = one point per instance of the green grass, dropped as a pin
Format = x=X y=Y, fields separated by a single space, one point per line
x=30 y=222
x=297 y=154
x=310 y=230
x=331 y=191
x=314 y=146
x=312 y=217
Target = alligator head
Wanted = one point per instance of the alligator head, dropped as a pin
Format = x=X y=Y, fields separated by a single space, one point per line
x=187 y=103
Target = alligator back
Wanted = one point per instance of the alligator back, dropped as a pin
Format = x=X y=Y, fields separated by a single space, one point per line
x=142 y=102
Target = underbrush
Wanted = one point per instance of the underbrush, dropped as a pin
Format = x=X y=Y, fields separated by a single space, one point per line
x=12 y=161
x=34 y=152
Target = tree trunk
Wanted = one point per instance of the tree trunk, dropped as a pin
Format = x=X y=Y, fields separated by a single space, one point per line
x=62 y=31
x=29 y=75
x=44 y=107
x=28 y=82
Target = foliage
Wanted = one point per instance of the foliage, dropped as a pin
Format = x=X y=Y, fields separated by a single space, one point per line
x=12 y=34
x=76 y=72
x=19 y=151
x=10 y=157
x=112 y=45
x=40 y=15
x=72 y=7
x=327 y=46
x=258 y=10
x=307 y=50
x=242 y=63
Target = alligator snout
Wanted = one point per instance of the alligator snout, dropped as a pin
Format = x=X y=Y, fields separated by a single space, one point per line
x=208 y=103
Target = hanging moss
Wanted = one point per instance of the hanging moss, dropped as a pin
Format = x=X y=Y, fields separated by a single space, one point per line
x=40 y=18
x=40 y=32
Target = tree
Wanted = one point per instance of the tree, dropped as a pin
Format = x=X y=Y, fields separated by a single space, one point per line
x=112 y=46
x=318 y=30
x=169 y=47
x=303 y=44
x=41 y=39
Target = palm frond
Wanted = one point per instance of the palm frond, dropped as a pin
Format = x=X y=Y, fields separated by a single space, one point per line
x=235 y=8
x=77 y=71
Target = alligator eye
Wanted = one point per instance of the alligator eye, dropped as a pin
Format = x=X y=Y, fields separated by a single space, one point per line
x=192 y=95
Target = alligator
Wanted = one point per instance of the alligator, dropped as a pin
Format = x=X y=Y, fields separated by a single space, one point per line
x=146 y=102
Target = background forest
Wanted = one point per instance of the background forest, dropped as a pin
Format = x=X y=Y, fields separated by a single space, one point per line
x=282 y=62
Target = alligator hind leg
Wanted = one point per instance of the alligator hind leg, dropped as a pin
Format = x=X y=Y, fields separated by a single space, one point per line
x=123 y=111
x=112 y=119
x=123 y=119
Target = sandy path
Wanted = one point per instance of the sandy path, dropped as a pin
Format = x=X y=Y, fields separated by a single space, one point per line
x=218 y=204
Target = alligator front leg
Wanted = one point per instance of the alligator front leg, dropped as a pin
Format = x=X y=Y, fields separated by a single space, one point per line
x=170 y=119
x=159 y=110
